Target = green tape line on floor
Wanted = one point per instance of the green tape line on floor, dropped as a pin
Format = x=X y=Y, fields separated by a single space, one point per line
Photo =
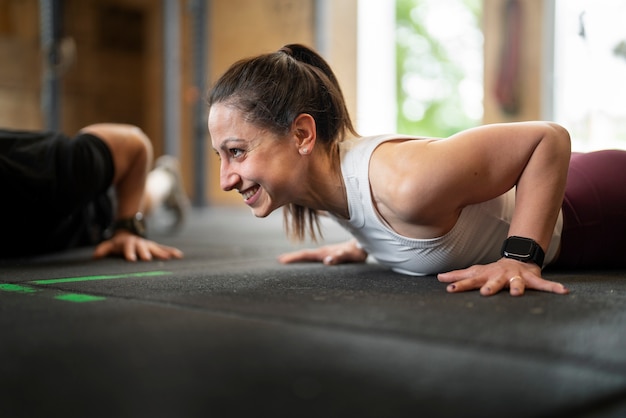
x=67 y=297
x=101 y=277
x=73 y=297
x=18 y=288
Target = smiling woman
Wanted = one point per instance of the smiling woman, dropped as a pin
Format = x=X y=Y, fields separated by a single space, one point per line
x=485 y=208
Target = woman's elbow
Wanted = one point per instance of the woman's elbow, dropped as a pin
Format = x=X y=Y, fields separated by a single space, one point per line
x=560 y=136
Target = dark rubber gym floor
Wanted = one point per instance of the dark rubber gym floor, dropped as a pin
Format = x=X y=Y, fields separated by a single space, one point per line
x=229 y=332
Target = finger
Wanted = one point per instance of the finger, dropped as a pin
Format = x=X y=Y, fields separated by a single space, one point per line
x=454 y=276
x=302 y=255
x=163 y=252
x=103 y=249
x=129 y=251
x=491 y=287
x=142 y=249
x=547 y=286
x=517 y=286
x=464 y=285
x=336 y=257
x=171 y=252
x=176 y=252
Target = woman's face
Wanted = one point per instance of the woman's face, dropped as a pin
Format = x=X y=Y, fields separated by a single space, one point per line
x=257 y=163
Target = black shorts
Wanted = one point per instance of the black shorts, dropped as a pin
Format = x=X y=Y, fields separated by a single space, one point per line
x=55 y=191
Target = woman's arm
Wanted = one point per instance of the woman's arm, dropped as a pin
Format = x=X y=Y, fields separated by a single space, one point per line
x=532 y=156
x=420 y=188
x=131 y=151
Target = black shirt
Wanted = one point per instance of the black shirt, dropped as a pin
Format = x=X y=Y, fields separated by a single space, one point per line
x=54 y=191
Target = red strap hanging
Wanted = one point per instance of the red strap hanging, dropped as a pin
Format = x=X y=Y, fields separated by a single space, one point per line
x=507 y=87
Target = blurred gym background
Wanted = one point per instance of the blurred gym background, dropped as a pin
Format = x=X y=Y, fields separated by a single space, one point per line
x=425 y=67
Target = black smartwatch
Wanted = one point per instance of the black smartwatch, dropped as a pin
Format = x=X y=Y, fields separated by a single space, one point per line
x=135 y=225
x=523 y=249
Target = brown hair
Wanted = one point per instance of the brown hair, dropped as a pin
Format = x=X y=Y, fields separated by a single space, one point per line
x=271 y=90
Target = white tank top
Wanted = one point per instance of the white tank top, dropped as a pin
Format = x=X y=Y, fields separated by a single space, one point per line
x=476 y=238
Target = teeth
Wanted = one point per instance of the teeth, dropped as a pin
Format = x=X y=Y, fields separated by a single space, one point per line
x=249 y=193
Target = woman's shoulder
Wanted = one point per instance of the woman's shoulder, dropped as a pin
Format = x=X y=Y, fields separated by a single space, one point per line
x=383 y=138
x=402 y=185
x=365 y=145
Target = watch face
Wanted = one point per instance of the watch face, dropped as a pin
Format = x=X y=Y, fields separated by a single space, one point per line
x=523 y=249
x=520 y=247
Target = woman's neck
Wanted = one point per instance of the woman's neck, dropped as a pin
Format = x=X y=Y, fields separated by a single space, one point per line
x=326 y=188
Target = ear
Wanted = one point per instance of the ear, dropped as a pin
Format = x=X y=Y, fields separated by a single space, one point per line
x=304 y=133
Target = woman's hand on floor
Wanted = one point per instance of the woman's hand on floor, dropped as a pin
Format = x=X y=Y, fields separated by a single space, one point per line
x=133 y=247
x=345 y=252
x=504 y=273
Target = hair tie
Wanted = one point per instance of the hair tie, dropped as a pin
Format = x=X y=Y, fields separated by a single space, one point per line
x=286 y=50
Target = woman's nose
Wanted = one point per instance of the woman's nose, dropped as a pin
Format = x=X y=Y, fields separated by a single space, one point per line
x=228 y=178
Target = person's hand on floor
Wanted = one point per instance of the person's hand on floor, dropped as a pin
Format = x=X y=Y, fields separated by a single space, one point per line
x=133 y=247
x=345 y=252
x=504 y=273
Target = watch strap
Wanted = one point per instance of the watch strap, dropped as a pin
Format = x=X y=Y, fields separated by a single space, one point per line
x=534 y=252
x=135 y=225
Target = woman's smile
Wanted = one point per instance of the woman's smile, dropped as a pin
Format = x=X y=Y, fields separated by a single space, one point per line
x=251 y=194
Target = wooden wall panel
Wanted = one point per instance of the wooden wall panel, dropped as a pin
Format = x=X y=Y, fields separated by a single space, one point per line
x=108 y=80
x=20 y=64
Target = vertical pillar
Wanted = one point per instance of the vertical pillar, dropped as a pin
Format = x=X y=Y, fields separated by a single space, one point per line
x=200 y=23
x=171 y=77
x=50 y=30
x=547 y=60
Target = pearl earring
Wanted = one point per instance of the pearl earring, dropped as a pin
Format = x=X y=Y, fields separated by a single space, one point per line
x=305 y=151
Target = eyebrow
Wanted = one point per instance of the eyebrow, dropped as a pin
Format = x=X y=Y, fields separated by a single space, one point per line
x=225 y=143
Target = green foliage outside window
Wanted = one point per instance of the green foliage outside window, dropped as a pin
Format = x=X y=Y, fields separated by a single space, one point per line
x=439 y=66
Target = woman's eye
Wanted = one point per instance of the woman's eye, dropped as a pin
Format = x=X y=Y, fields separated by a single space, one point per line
x=236 y=152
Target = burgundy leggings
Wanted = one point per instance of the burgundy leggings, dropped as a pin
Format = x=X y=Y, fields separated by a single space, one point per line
x=594 y=211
